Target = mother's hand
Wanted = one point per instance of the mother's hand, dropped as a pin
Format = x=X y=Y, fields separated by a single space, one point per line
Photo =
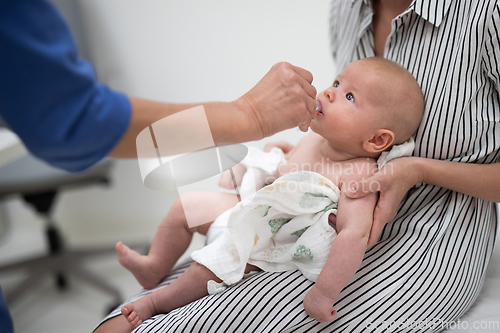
x=392 y=182
x=284 y=98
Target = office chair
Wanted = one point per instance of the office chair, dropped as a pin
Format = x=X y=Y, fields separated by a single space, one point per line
x=39 y=184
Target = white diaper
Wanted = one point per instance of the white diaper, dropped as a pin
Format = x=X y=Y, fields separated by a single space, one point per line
x=218 y=227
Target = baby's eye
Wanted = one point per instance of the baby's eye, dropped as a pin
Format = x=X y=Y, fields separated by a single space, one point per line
x=350 y=97
x=335 y=84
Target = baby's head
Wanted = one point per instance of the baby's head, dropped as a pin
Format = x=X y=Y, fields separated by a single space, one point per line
x=373 y=104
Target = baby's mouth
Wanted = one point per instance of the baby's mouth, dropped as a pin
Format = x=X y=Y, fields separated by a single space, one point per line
x=318 y=107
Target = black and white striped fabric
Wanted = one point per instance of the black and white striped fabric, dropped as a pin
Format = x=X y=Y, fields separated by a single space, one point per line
x=428 y=267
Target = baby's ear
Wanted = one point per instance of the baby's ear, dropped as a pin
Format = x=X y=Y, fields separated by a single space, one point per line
x=381 y=140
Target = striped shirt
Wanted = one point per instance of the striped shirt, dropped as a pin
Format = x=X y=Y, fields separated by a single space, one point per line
x=429 y=264
x=443 y=239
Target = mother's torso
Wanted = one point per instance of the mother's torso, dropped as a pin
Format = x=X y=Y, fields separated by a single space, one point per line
x=450 y=49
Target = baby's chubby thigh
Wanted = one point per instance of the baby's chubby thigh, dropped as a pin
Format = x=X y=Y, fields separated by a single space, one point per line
x=200 y=209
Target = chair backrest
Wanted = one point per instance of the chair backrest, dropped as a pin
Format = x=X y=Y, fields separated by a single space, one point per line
x=29 y=175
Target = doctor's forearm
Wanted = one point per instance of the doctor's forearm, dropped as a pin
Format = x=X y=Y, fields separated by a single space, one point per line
x=229 y=123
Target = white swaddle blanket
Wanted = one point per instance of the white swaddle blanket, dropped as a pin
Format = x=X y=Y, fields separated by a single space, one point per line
x=284 y=226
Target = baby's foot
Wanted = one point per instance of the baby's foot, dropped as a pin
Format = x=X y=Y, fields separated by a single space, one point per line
x=139 y=266
x=138 y=311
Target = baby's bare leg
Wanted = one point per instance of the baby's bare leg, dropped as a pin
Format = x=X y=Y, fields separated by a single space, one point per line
x=189 y=287
x=174 y=235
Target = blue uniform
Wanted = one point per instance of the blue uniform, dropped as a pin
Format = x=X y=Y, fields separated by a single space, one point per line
x=50 y=97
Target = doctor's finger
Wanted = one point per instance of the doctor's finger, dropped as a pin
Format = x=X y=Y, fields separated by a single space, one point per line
x=310 y=103
x=307 y=117
x=304 y=73
x=304 y=127
x=305 y=79
x=309 y=89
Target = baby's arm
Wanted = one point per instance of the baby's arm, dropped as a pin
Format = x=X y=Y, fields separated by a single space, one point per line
x=283 y=145
x=231 y=181
x=354 y=220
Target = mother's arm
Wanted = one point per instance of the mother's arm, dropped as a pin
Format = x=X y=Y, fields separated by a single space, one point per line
x=398 y=176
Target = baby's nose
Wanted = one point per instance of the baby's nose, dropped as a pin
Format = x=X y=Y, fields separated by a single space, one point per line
x=330 y=93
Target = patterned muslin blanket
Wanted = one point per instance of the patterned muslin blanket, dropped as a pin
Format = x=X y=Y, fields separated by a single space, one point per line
x=283 y=226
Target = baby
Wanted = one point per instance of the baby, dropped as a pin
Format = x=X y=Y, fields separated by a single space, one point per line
x=373 y=104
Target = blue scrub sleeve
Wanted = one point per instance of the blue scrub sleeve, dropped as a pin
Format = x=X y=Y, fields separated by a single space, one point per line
x=5 y=319
x=49 y=96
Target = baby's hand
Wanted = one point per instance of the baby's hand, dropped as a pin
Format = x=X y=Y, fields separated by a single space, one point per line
x=319 y=306
x=283 y=145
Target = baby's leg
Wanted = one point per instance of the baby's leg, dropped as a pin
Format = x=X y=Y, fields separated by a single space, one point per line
x=174 y=235
x=189 y=287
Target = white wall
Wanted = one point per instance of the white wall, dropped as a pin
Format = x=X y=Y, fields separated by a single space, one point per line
x=196 y=50
x=184 y=51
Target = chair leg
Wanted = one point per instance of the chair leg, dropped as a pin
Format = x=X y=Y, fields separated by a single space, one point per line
x=54 y=239
x=60 y=260
x=34 y=278
x=77 y=269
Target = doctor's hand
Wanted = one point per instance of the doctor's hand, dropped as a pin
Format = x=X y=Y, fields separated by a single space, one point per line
x=392 y=182
x=284 y=98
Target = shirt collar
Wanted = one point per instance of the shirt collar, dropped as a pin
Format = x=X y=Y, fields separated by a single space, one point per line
x=433 y=11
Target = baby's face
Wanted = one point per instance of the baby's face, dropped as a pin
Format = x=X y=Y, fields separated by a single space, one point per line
x=348 y=111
